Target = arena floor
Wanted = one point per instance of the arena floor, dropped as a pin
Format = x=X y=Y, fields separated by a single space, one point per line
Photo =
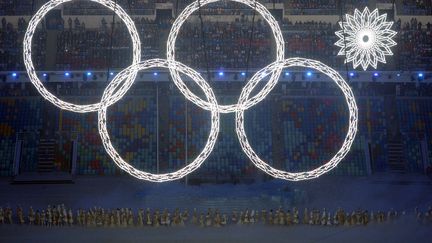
x=394 y=232
x=379 y=192
x=401 y=192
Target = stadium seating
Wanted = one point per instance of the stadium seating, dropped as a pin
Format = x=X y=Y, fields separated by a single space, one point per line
x=147 y=7
x=15 y=122
x=416 y=118
x=227 y=45
x=312 y=128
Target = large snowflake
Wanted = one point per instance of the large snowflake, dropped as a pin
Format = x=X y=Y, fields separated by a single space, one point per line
x=365 y=38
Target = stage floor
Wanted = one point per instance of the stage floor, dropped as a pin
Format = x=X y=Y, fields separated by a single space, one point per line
x=406 y=231
x=378 y=192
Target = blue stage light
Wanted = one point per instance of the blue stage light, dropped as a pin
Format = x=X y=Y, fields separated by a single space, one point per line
x=155 y=74
x=111 y=73
x=221 y=74
x=67 y=74
x=309 y=74
x=376 y=74
x=89 y=73
x=287 y=73
x=351 y=74
x=44 y=74
x=14 y=75
x=242 y=74
x=398 y=74
x=420 y=75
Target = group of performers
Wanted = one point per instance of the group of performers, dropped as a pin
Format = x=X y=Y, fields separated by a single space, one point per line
x=125 y=217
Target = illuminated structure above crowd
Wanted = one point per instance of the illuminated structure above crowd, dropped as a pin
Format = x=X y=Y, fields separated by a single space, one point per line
x=124 y=80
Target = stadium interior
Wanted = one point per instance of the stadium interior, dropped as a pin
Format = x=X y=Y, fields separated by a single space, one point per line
x=50 y=156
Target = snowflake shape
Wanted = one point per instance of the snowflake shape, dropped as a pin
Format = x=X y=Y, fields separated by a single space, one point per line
x=365 y=38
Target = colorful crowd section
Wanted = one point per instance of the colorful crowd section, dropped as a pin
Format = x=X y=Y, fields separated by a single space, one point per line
x=142 y=7
x=241 y=44
x=294 y=133
x=416 y=118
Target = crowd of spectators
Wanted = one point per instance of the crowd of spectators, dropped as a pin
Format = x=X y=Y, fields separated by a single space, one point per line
x=226 y=46
x=138 y=7
x=414 y=7
x=11 y=46
x=311 y=7
x=312 y=40
x=142 y=7
x=19 y=7
x=224 y=7
x=107 y=46
x=313 y=4
x=223 y=46
x=414 y=50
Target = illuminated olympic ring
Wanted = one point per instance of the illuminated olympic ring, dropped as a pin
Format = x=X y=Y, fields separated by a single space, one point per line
x=27 y=53
x=280 y=52
x=352 y=129
x=116 y=84
x=121 y=83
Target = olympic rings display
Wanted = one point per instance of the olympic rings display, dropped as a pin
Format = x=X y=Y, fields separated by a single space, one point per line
x=136 y=45
x=123 y=81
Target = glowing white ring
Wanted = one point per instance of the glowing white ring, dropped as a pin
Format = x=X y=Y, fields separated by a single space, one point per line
x=117 y=82
x=27 y=53
x=353 y=117
x=280 y=52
